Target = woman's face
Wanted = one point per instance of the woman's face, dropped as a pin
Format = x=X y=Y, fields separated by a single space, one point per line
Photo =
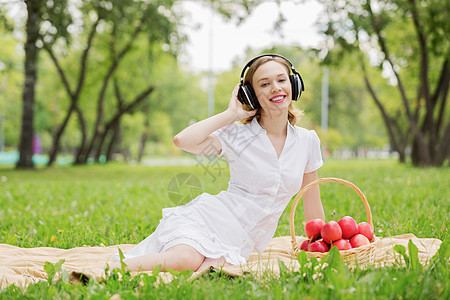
x=272 y=87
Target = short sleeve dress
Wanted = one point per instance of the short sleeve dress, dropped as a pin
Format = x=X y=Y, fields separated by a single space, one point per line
x=242 y=219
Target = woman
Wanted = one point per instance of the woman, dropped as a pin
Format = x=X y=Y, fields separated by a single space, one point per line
x=270 y=159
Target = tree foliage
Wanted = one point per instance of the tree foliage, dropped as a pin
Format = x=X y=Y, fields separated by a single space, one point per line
x=107 y=57
x=41 y=16
x=109 y=80
x=113 y=28
x=11 y=81
x=407 y=43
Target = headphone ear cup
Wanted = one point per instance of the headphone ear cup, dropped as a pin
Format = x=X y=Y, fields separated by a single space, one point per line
x=247 y=96
x=295 y=83
x=252 y=98
x=241 y=95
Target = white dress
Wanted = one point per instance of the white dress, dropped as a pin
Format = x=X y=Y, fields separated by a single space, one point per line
x=242 y=219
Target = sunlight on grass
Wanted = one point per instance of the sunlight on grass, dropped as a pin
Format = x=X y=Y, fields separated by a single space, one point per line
x=66 y=207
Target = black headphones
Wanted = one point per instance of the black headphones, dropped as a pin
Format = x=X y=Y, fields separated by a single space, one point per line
x=246 y=94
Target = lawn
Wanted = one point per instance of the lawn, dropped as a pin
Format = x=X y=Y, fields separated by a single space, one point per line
x=67 y=207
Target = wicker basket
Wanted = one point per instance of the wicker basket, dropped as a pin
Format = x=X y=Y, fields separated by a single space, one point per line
x=361 y=255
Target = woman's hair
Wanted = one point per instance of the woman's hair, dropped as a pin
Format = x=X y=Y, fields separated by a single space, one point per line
x=293 y=113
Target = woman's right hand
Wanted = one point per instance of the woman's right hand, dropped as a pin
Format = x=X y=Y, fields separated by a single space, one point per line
x=236 y=108
x=198 y=138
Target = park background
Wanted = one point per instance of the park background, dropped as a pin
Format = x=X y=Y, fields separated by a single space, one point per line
x=105 y=85
x=104 y=81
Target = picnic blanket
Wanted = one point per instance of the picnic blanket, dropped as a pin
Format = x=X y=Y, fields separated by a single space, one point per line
x=23 y=266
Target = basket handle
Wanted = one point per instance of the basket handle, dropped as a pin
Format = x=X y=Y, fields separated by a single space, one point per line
x=316 y=182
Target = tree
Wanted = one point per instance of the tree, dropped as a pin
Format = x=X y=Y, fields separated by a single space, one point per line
x=111 y=28
x=53 y=15
x=408 y=43
x=114 y=124
x=39 y=12
x=31 y=54
x=122 y=22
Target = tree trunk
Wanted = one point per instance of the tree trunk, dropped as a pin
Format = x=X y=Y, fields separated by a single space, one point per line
x=101 y=141
x=419 y=136
x=142 y=143
x=73 y=96
x=115 y=64
x=389 y=122
x=115 y=138
x=31 y=56
x=78 y=159
x=122 y=109
x=444 y=148
x=57 y=137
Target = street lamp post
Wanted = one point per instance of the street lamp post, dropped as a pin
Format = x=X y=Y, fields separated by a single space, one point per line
x=2 y=133
x=210 y=73
x=324 y=114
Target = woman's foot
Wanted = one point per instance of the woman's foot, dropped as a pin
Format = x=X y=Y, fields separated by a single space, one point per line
x=216 y=263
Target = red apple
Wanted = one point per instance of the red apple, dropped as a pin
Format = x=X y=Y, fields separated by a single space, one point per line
x=359 y=240
x=349 y=227
x=313 y=228
x=331 y=232
x=342 y=244
x=365 y=229
x=318 y=246
x=305 y=245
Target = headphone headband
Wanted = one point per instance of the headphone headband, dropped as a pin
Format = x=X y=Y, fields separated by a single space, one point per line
x=262 y=55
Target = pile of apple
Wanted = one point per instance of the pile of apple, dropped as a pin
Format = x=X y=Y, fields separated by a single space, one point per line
x=344 y=234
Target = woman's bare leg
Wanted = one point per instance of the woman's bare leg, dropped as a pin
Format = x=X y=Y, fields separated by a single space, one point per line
x=179 y=257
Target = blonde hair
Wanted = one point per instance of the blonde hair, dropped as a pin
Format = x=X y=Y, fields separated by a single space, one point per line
x=294 y=113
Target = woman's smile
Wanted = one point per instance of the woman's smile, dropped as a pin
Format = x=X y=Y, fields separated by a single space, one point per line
x=278 y=98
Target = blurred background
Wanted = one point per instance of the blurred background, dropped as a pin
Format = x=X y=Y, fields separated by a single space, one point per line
x=85 y=82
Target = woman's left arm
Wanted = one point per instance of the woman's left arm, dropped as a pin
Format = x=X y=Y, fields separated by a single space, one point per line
x=312 y=205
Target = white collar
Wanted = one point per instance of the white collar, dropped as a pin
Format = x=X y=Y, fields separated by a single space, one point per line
x=257 y=128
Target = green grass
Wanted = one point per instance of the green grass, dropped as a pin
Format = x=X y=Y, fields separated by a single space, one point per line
x=115 y=204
